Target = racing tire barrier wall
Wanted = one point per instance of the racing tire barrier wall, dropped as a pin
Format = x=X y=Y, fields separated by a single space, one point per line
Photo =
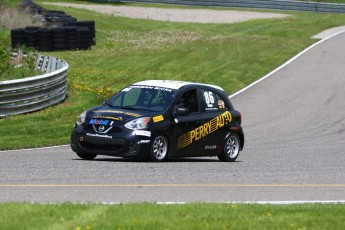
x=73 y=36
x=35 y=93
x=260 y=4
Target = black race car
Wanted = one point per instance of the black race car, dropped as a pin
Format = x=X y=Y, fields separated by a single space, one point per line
x=160 y=119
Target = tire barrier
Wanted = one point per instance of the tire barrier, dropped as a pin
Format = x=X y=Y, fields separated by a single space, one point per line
x=61 y=32
x=58 y=17
x=72 y=36
x=35 y=93
x=259 y=4
x=31 y=7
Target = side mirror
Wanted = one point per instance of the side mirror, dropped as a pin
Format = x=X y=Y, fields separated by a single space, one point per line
x=182 y=111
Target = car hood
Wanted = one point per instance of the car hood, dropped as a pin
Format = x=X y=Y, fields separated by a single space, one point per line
x=105 y=113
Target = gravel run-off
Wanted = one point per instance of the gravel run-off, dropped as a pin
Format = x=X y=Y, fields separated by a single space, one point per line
x=186 y=15
x=174 y=15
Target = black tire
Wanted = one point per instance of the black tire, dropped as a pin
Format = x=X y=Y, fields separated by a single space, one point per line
x=44 y=43
x=59 y=36
x=159 y=150
x=86 y=156
x=89 y=24
x=44 y=34
x=32 y=28
x=18 y=33
x=44 y=48
x=59 y=41
x=231 y=148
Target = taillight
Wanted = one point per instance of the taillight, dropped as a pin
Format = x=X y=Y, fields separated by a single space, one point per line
x=240 y=118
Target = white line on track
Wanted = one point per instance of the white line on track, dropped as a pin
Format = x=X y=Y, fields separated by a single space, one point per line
x=249 y=202
x=226 y=202
x=41 y=148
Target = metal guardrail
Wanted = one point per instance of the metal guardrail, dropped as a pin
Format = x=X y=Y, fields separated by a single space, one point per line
x=35 y=93
x=260 y=4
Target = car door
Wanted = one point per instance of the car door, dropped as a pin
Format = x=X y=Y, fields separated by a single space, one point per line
x=187 y=126
x=215 y=116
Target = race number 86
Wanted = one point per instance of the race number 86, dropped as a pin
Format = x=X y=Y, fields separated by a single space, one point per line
x=209 y=97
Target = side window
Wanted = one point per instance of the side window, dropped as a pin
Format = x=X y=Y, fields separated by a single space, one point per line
x=211 y=100
x=189 y=100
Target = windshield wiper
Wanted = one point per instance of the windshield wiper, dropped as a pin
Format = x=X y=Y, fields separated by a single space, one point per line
x=137 y=108
x=107 y=103
x=128 y=108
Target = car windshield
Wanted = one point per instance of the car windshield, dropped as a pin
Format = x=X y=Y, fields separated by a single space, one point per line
x=137 y=97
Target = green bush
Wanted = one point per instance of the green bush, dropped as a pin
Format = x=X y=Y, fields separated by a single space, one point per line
x=15 y=68
x=5 y=53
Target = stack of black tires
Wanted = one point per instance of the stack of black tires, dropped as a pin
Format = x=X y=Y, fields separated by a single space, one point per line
x=58 y=17
x=62 y=32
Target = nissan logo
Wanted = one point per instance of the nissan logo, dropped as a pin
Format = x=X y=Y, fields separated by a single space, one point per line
x=101 y=128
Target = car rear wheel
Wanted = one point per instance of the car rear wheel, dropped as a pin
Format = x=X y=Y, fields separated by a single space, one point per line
x=86 y=156
x=231 y=148
x=159 y=148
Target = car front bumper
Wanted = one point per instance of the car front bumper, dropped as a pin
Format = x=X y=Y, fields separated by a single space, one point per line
x=129 y=144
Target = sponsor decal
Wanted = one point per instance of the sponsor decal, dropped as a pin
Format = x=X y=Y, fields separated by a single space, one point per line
x=144 y=142
x=204 y=130
x=142 y=133
x=98 y=135
x=117 y=112
x=208 y=109
x=148 y=87
x=107 y=117
x=210 y=147
x=221 y=104
x=101 y=128
x=98 y=122
x=158 y=118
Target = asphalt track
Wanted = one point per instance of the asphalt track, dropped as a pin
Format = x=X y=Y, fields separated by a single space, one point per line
x=294 y=122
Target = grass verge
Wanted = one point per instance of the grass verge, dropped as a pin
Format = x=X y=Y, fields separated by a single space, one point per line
x=186 y=216
x=13 y=16
x=129 y=50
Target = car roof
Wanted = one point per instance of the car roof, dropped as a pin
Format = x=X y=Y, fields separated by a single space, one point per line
x=171 y=84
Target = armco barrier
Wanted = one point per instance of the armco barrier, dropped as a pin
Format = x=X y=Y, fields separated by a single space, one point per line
x=260 y=4
x=35 y=93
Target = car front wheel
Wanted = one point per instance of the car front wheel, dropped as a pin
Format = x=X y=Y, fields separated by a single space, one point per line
x=231 y=148
x=159 y=148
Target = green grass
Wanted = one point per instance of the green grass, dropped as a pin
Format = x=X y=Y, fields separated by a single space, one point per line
x=186 y=216
x=129 y=50
x=10 y=2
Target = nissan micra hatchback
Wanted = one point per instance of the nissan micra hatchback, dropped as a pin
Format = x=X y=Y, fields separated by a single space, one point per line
x=157 y=119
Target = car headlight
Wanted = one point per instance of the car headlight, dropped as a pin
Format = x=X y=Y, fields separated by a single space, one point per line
x=81 y=119
x=139 y=123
